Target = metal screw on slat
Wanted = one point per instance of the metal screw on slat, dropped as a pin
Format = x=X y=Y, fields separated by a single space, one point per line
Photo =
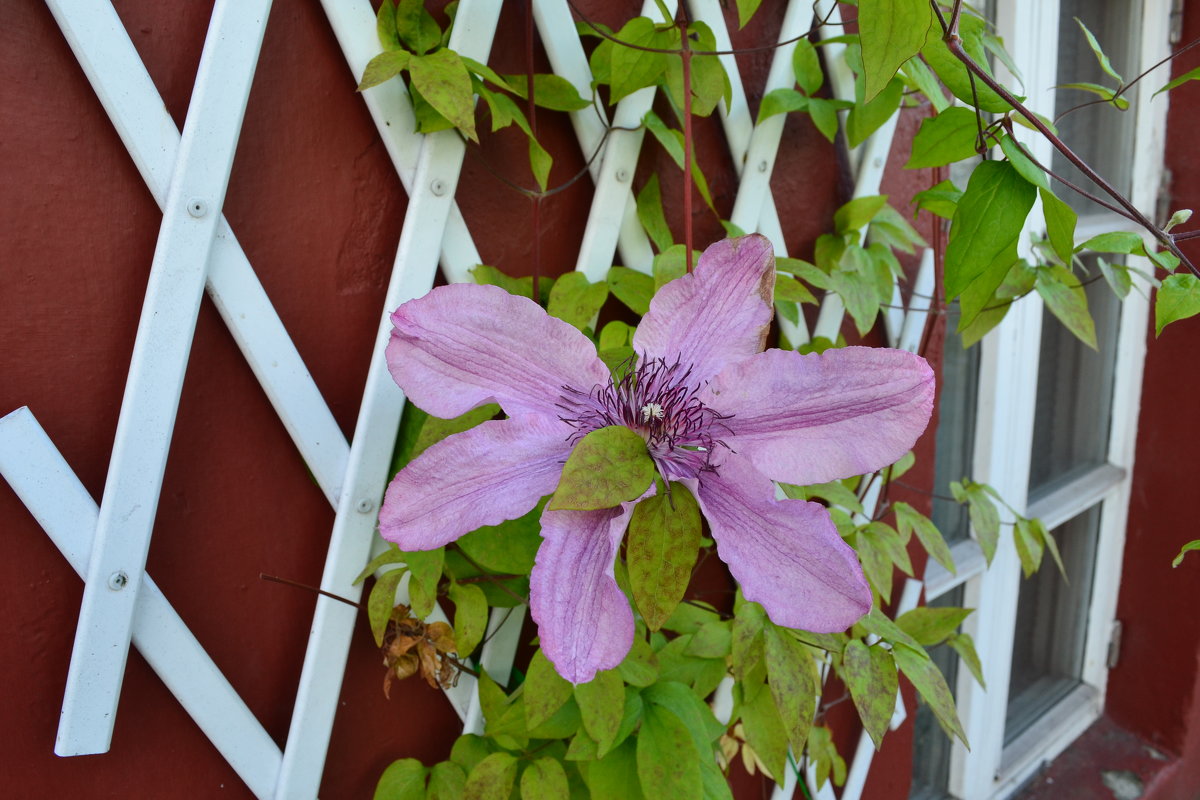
x=438 y=187
x=197 y=207
x=622 y=175
x=118 y=581
x=365 y=505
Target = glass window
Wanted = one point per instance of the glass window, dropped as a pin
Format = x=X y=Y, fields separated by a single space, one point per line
x=1074 y=393
x=1051 y=627
x=931 y=746
x=1114 y=24
x=957 y=399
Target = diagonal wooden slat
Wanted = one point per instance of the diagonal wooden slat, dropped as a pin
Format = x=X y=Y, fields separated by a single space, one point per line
x=434 y=184
x=40 y=476
x=108 y=57
x=160 y=355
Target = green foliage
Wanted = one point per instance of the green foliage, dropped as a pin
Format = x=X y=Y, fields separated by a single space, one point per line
x=663 y=542
x=402 y=780
x=1178 y=298
x=1192 y=545
x=950 y=136
x=891 y=32
x=608 y=466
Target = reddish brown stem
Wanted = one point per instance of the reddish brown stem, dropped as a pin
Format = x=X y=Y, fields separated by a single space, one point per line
x=686 y=56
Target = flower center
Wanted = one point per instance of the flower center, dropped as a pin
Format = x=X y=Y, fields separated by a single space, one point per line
x=656 y=401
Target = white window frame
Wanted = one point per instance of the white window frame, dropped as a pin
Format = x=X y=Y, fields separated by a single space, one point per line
x=1008 y=376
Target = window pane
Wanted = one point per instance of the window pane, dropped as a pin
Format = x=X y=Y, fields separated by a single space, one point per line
x=931 y=746
x=1074 y=394
x=1114 y=24
x=957 y=399
x=1051 y=626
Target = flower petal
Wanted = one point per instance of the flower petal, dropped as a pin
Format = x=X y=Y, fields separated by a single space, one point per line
x=584 y=621
x=816 y=418
x=493 y=472
x=461 y=346
x=719 y=313
x=786 y=554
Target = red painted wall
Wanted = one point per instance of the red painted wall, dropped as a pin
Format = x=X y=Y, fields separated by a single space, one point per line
x=1153 y=689
x=318 y=210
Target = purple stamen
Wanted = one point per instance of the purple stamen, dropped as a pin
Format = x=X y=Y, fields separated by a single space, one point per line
x=656 y=401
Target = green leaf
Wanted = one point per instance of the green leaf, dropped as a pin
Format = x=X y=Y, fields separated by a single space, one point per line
x=855 y=214
x=1114 y=242
x=381 y=602
x=1117 y=276
x=747 y=651
x=390 y=556
x=468 y=750
x=941 y=199
x=985 y=519
x=952 y=72
x=632 y=68
x=806 y=65
x=881 y=625
x=964 y=645
x=908 y=519
x=1192 y=545
x=870 y=675
x=697 y=717
x=1190 y=75
x=746 y=9
x=384 y=67
x=948 y=137
x=402 y=780
x=640 y=667
x=791 y=675
x=765 y=732
x=545 y=690
x=601 y=703
x=1060 y=224
x=426 y=567
x=781 y=101
x=576 y=300
x=1178 y=298
x=508 y=548
x=931 y=625
x=1023 y=165
x=711 y=640
x=823 y=752
x=632 y=288
x=865 y=119
x=987 y=224
x=834 y=492
x=790 y=290
x=824 y=115
x=540 y=162
x=522 y=287
x=667 y=763
x=492 y=778
x=608 y=467
x=672 y=141
x=549 y=91
x=921 y=77
x=662 y=545
x=470 y=616
x=891 y=32
x=853 y=283
x=443 y=80
x=385 y=26
x=544 y=779
x=928 y=681
x=1064 y=296
x=650 y=214
x=616 y=775
x=1029 y=546
x=1105 y=64
x=416 y=26
x=447 y=781
x=1103 y=92
x=565 y=723
x=1051 y=546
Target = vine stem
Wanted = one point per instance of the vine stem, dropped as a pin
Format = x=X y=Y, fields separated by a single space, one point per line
x=1129 y=210
x=685 y=55
x=536 y=209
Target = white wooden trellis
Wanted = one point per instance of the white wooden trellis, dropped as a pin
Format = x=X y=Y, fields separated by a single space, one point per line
x=187 y=176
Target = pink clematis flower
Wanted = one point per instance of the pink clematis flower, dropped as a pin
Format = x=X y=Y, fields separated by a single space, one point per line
x=718 y=415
